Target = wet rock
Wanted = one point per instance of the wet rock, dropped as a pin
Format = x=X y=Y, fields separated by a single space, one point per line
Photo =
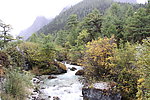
x=51 y=77
x=73 y=69
x=56 y=98
x=38 y=77
x=49 y=96
x=35 y=81
x=34 y=98
x=34 y=95
x=100 y=91
x=80 y=72
x=36 y=90
x=43 y=97
x=61 y=68
x=42 y=87
x=42 y=82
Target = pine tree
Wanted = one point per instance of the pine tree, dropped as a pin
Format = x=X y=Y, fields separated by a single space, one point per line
x=5 y=37
x=92 y=23
x=113 y=22
x=71 y=27
x=138 y=27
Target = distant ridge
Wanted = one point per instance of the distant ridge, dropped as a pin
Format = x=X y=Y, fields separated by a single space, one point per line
x=39 y=22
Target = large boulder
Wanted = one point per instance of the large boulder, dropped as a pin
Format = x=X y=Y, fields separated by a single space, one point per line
x=61 y=68
x=50 y=68
x=100 y=91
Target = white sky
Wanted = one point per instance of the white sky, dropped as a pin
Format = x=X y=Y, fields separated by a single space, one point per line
x=141 y=1
x=21 y=13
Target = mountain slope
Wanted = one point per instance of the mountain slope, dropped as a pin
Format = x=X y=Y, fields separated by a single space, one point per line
x=81 y=9
x=39 y=22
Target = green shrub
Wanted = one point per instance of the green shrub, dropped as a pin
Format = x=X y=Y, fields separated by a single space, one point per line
x=4 y=59
x=125 y=72
x=15 y=56
x=98 y=58
x=144 y=70
x=104 y=62
x=17 y=85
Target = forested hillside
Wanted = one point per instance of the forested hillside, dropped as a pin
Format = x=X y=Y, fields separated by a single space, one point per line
x=81 y=9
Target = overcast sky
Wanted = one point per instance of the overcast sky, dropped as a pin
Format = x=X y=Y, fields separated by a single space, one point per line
x=21 y=13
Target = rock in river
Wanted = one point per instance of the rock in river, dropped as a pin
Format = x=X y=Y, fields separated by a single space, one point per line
x=61 y=68
x=100 y=91
x=51 y=77
x=73 y=69
x=80 y=72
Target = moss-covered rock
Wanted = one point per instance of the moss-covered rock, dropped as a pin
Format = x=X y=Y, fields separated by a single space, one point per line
x=49 y=68
x=61 y=68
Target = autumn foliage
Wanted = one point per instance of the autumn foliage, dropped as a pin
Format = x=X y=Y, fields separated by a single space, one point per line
x=99 y=56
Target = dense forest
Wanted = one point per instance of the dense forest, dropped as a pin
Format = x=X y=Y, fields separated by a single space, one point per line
x=110 y=40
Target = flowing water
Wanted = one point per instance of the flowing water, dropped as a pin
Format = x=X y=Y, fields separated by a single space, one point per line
x=66 y=86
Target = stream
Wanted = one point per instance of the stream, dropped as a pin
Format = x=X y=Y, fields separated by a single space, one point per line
x=65 y=87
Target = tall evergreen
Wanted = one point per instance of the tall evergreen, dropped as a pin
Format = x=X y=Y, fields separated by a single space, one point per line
x=93 y=24
x=114 y=22
x=71 y=27
x=5 y=37
x=138 y=27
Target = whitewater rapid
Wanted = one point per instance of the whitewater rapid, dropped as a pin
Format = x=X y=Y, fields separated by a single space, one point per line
x=66 y=86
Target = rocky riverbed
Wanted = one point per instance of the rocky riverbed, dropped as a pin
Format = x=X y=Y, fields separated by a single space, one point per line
x=68 y=86
x=59 y=87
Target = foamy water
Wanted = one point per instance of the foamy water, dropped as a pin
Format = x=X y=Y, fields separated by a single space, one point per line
x=66 y=86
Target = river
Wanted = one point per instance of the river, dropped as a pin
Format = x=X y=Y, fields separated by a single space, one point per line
x=66 y=86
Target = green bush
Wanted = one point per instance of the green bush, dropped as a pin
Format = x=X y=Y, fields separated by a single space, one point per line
x=16 y=85
x=144 y=70
x=125 y=71
x=4 y=59
x=104 y=62
x=16 y=57
x=98 y=58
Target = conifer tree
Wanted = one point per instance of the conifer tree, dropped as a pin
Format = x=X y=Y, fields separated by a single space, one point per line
x=138 y=27
x=92 y=23
x=5 y=37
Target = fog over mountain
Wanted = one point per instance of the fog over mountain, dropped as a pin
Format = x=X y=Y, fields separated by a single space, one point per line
x=126 y=1
x=39 y=22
